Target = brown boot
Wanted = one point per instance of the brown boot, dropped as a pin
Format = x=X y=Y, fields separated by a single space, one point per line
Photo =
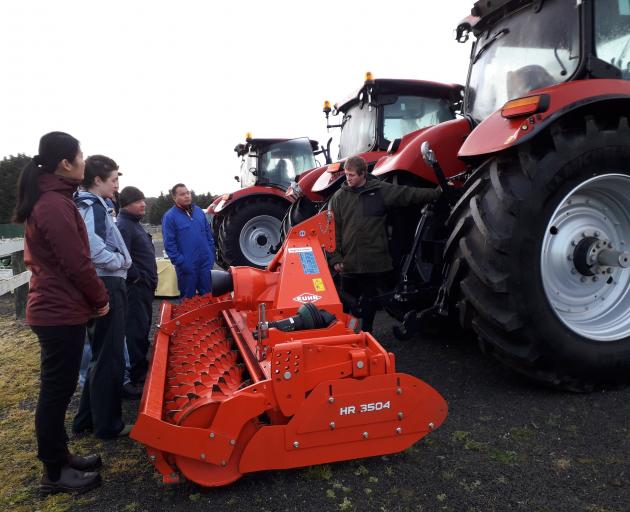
x=70 y=480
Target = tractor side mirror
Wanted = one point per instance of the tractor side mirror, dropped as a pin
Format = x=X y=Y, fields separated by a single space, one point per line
x=237 y=178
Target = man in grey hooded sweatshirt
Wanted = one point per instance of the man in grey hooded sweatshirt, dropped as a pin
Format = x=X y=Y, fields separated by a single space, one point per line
x=100 y=409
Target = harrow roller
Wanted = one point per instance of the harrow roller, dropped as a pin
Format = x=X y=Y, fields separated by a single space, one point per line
x=275 y=376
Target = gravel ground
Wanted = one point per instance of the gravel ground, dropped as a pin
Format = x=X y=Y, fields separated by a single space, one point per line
x=506 y=445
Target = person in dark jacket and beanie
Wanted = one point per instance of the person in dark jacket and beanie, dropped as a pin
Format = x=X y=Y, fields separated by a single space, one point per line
x=100 y=408
x=362 y=251
x=64 y=292
x=141 y=281
x=189 y=243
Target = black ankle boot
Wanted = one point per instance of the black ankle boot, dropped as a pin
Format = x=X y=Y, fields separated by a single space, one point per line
x=70 y=480
x=86 y=463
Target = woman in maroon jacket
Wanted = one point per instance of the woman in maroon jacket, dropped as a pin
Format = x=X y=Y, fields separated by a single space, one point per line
x=64 y=293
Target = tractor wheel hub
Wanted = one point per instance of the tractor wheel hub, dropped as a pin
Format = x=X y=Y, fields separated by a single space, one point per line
x=583 y=263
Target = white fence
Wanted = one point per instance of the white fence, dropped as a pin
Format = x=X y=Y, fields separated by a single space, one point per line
x=8 y=283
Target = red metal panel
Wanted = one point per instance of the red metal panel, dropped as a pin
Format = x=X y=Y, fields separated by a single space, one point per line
x=220 y=205
x=497 y=133
x=320 y=433
x=445 y=139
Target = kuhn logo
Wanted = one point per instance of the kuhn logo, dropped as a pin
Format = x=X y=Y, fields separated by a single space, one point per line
x=307 y=297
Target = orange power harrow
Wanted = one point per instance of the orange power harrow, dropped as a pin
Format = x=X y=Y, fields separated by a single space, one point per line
x=274 y=375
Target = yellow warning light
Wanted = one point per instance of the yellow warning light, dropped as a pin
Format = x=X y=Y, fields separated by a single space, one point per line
x=368 y=76
x=327 y=106
x=248 y=136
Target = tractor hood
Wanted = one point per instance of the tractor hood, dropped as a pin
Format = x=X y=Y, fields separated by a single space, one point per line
x=445 y=139
x=226 y=200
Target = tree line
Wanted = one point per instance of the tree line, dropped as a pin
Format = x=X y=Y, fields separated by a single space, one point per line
x=11 y=166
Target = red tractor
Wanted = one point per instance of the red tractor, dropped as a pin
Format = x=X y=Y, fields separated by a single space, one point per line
x=246 y=223
x=382 y=111
x=531 y=252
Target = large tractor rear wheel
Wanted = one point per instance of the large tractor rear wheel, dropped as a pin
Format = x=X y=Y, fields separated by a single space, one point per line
x=537 y=253
x=250 y=230
x=299 y=211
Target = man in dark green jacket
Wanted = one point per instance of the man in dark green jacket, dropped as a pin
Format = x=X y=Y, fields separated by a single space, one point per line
x=362 y=254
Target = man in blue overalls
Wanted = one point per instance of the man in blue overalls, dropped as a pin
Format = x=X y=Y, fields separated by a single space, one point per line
x=189 y=244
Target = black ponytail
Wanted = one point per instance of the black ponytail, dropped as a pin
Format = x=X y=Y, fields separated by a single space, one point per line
x=53 y=148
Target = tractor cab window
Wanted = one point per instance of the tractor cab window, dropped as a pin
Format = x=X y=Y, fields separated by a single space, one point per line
x=410 y=113
x=527 y=50
x=358 y=131
x=612 y=33
x=281 y=162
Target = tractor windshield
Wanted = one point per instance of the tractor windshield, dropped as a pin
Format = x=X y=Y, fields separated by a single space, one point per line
x=533 y=47
x=410 y=113
x=358 y=130
x=281 y=162
x=405 y=114
x=612 y=33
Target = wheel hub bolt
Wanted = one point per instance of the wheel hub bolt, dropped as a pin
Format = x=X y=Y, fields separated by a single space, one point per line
x=595 y=278
x=583 y=279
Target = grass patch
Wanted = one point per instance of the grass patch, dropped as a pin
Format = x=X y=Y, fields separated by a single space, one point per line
x=323 y=472
x=475 y=446
x=345 y=505
x=460 y=436
x=502 y=456
x=19 y=387
x=522 y=434
x=361 y=470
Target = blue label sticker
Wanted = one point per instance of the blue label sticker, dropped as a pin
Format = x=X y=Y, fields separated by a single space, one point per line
x=309 y=265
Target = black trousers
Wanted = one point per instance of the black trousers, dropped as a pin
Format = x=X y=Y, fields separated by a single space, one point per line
x=100 y=408
x=61 y=350
x=139 y=314
x=357 y=290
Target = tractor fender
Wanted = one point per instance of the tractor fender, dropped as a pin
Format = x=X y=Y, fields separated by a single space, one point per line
x=308 y=179
x=223 y=204
x=445 y=139
x=317 y=185
x=334 y=172
x=497 y=133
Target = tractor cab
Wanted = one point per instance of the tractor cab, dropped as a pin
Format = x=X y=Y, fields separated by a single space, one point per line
x=385 y=109
x=523 y=46
x=380 y=114
x=274 y=162
x=376 y=117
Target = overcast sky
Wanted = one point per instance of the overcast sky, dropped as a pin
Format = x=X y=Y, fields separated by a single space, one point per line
x=168 y=89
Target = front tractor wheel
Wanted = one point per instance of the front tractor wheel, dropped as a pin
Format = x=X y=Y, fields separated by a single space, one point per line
x=249 y=232
x=538 y=254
